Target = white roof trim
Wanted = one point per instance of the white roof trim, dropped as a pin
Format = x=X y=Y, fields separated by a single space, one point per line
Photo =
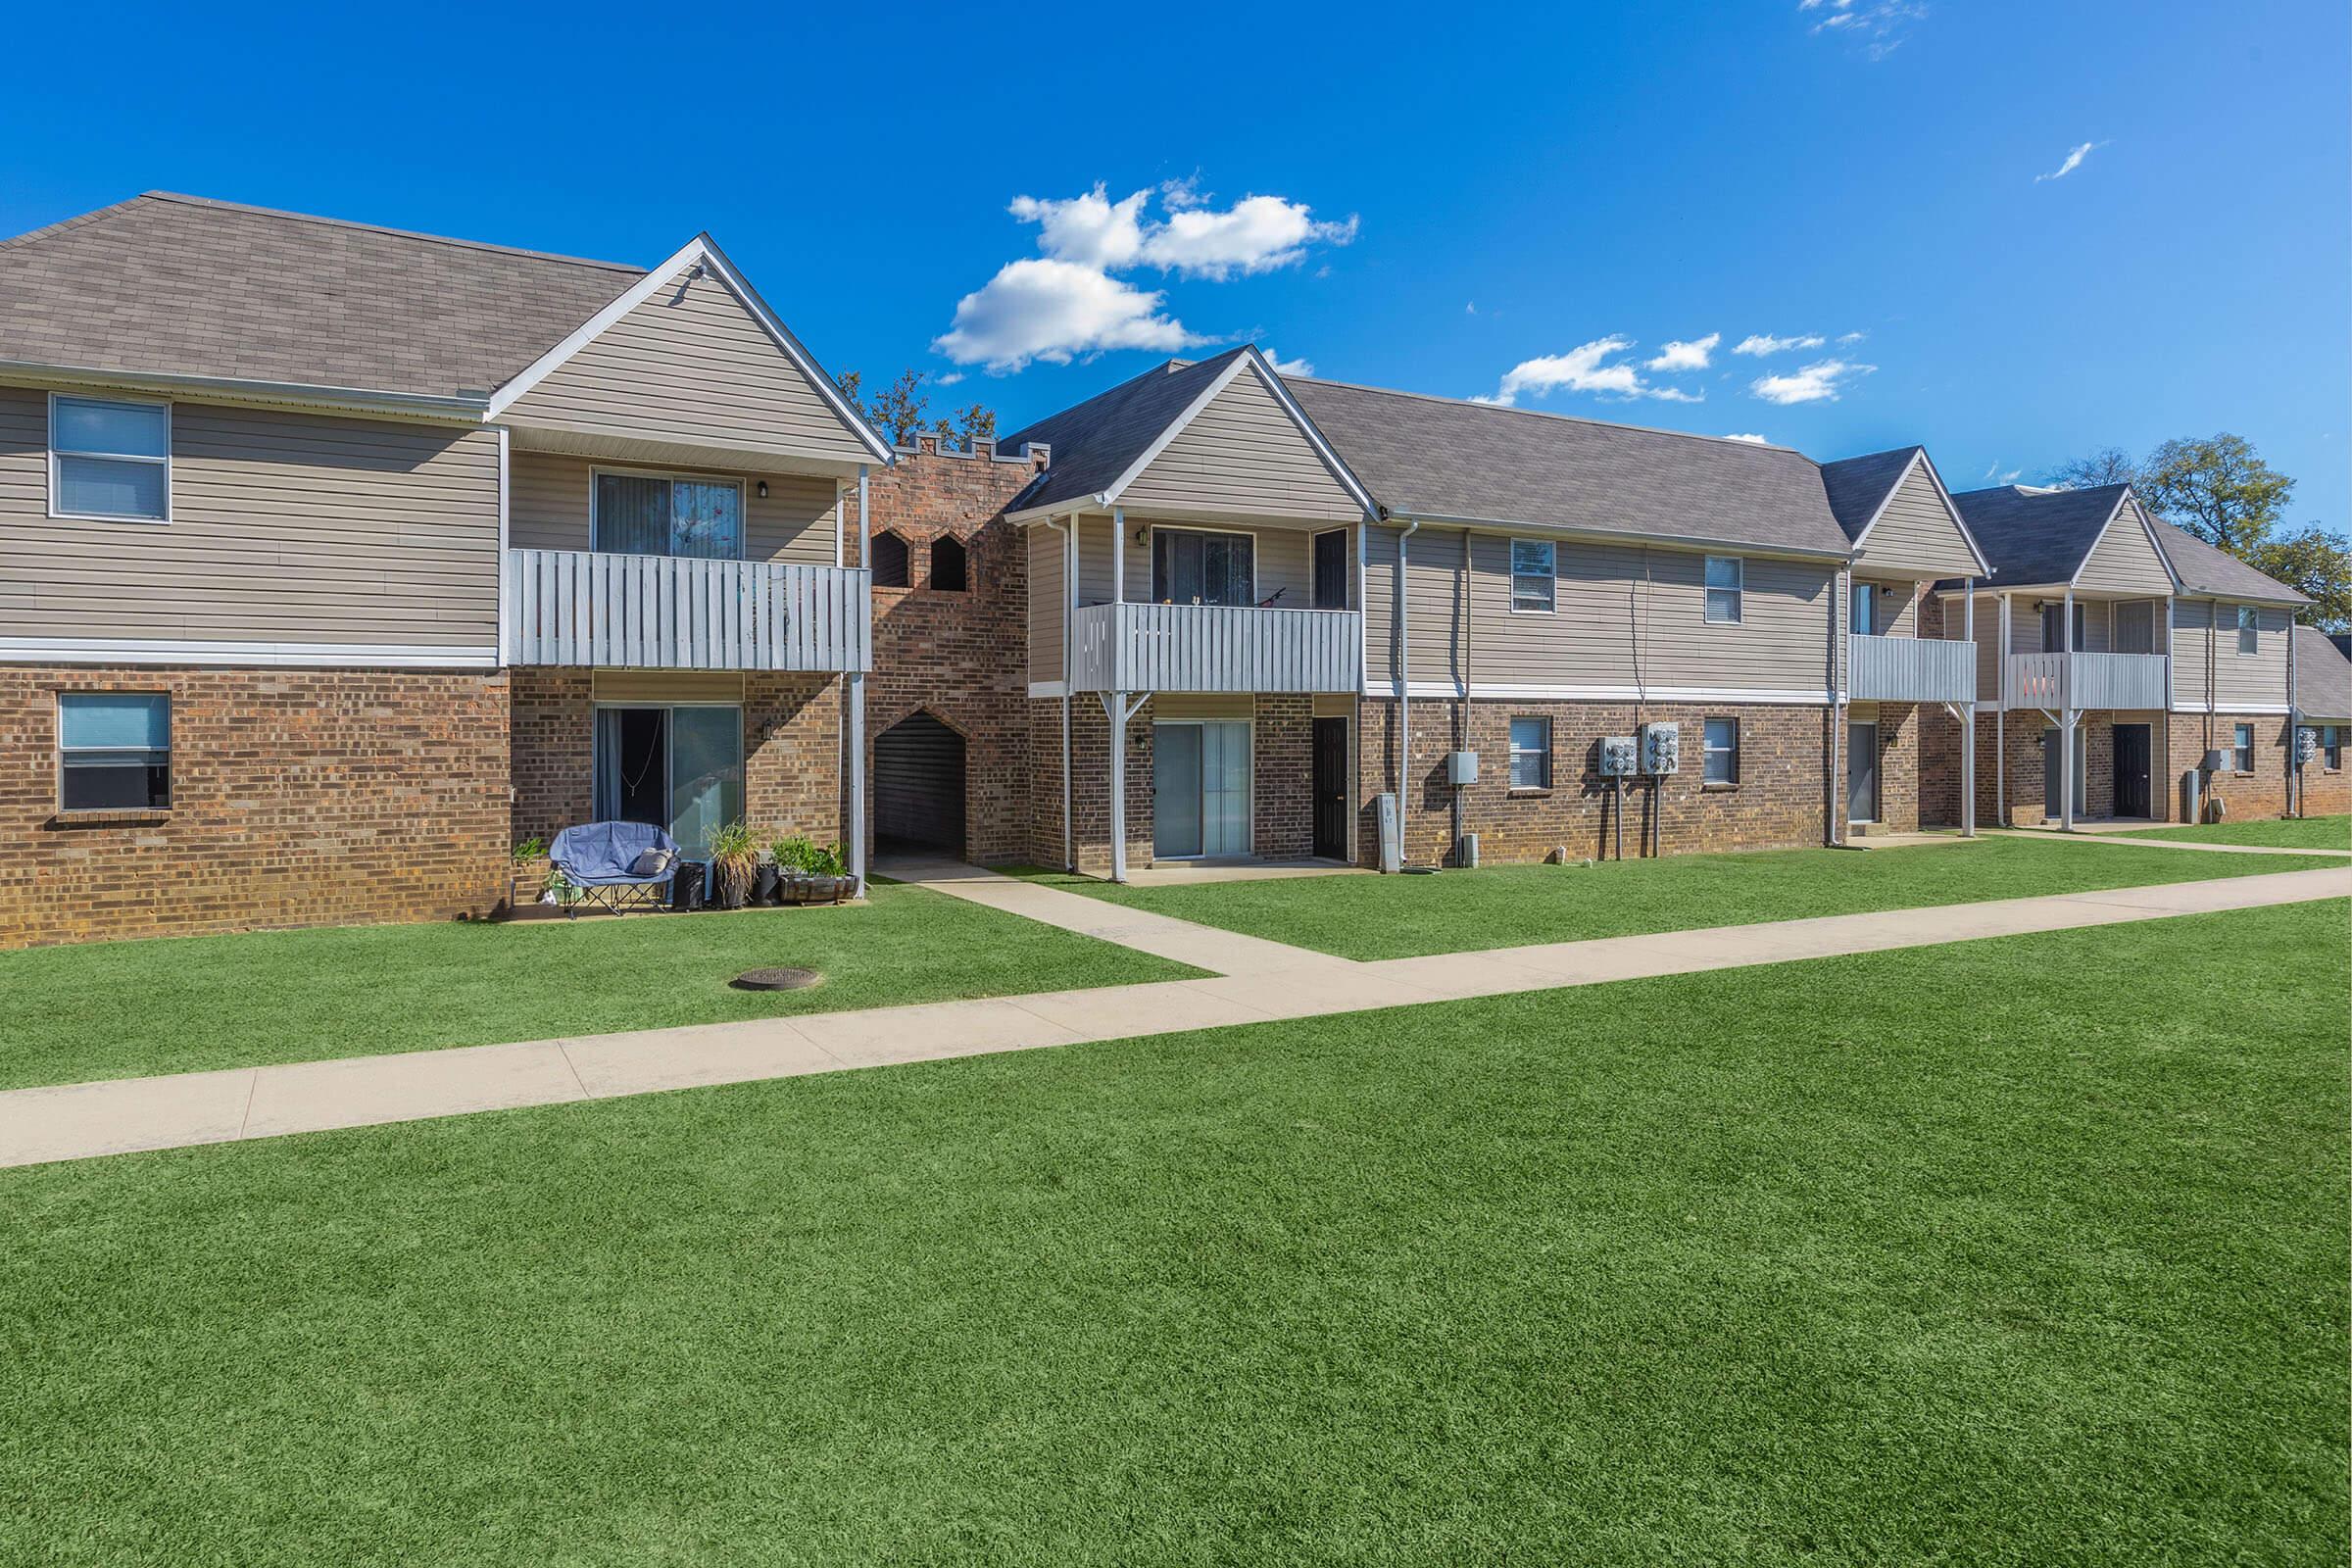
x=1251 y=359
x=1919 y=457
x=698 y=249
x=2146 y=532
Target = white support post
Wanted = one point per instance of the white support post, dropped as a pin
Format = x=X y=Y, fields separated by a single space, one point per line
x=1968 y=719
x=2069 y=716
x=1114 y=709
x=856 y=717
x=2000 y=727
x=1069 y=675
x=1118 y=560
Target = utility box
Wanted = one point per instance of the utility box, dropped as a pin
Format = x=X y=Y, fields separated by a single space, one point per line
x=1465 y=851
x=1461 y=767
x=1617 y=752
x=2215 y=762
x=2307 y=744
x=1392 y=847
x=1661 y=748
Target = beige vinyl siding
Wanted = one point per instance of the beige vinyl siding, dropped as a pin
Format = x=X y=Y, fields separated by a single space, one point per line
x=1607 y=600
x=1046 y=594
x=1897 y=607
x=2256 y=679
x=1244 y=454
x=691 y=362
x=1987 y=628
x=285 y=528
x=1282 y=557
x=2125 y=559
x=547 y=508
x=2191 y=635
x=1917 y=534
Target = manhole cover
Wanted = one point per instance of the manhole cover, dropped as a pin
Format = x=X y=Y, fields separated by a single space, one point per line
x=775 y=979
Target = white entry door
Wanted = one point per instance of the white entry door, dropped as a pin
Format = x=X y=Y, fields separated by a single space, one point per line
x=1200 y=789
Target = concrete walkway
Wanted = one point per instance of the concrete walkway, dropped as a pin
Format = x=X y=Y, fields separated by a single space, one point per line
x=1267 y=980
x=2159 y=844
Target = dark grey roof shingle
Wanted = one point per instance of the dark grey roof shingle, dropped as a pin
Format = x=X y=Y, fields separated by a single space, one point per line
x=179 y=285
x=1431 y=457
x=2322 y=675
x=2203 y=569
x=1093 y=443
x=1858 y=486
x=2037 y=536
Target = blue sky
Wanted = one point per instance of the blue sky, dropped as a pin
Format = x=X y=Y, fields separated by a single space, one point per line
x=1440 y=202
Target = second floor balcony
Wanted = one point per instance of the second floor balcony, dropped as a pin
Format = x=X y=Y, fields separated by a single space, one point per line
x=604 y=609
x=1215 y=648
x=1910 y=669
x=2115 y=681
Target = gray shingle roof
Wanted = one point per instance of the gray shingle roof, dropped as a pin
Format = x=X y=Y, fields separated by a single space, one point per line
x=2203 y=569
x=2037 y=536
x=1431 y=457
x=2322 y=675
x=179 y=285
x=1093 y=443
x=1858 y=486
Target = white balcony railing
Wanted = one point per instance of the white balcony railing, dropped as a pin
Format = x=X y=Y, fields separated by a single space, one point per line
x=1216 y=648
x=614 y=611
x=1910 y=669
x=2116 y=681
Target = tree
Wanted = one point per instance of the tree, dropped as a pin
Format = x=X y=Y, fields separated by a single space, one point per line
x=2218 y=488
x=2317 y=563
x=897 y=412
x=2109 y=465
x=971 y=423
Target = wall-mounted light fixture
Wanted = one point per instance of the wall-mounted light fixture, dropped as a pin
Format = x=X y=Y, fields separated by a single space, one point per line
x=764 y=489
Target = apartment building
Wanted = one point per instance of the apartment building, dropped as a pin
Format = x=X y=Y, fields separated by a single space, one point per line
x=336 y=560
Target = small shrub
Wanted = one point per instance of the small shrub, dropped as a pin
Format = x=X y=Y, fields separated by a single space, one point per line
x=530 y=848
x=735 y=858
x=801 y=853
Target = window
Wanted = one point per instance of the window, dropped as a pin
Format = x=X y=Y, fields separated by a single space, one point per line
x=110 y=459
x=2136 y=627
x=2243 y=737
x=1530 y=754
x=1722 y=752
x=1532 y=574
x=2332 y=747
x=1204 y=569
x=1724 y=577
x=2249 y=626
x=887 y=555
x=948 y=565
x=114 y=750
x=2053 y=622
x=1865 y=611
x=650 y=514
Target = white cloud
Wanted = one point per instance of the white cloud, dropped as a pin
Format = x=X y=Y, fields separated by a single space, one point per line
x=1470 y=309
x=2073 y=161
x=1054 y=310
x=1818 y=382
x=1593 y=368
x=1847 y=340
x=1763 y=343
x=1690 y=356
x=1069 y=302
x=1283 y=367
x=949 y=379
x=1878 y=25
x=1744 y=435
x=1994 y=475
x=1255 y=235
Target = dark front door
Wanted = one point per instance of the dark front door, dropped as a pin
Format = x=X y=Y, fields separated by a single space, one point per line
x=2133 y=747
x=1331 y=787
x=1331 y=570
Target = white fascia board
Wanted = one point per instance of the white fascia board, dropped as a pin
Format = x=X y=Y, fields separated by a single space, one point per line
x=1308 y=427
x=1255 y=362
x=1684 y=542
x=2145 y=530
x=1920 y=459
x=1503 y=692
x=357 y=656
x=698 y=249
x=1150 y=453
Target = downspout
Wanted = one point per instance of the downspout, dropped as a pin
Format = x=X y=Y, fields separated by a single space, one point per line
x=1841 y=592
x=857 y=703
x=1968 y=719
x=2294 y=728
x=2000 y=728
x=1404 y=714
x=1068 y=861
x=1461 y=727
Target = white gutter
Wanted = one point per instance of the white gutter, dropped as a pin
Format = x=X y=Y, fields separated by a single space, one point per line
x=1069 y=594
x=1405 y=701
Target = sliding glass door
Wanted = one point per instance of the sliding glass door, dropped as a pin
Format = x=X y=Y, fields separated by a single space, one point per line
x=678 y=767
x=1199 y=789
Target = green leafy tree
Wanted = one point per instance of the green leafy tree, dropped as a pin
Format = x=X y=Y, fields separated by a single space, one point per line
x=2316 y=562
x=970 y=424
x=900 y=409
x=2218 y=488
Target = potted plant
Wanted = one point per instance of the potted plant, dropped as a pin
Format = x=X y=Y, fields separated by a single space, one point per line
x=809 y=872
x=734 y=862
x=527 y=850
x=561 y=888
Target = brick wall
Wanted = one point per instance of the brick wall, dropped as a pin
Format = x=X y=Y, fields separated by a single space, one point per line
x=1780 y=801
x=2260 y=793
x=962 y=655
x=298 y=798
x=1282 y=781
x=1899 y=762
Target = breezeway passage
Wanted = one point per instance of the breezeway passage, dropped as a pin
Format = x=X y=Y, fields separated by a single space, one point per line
x=1261 y=981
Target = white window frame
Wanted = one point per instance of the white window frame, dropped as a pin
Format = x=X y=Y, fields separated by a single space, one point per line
x=1514 y=750
x=1550 y=576
x=2249 y=630
x=2332 y=748
x=2241 y=758
x=1708 y=590
x=743 y=506
x=1862 y=609
x=55 y=452
x=1256 y=584
x=1707 y=752
x=169 y=749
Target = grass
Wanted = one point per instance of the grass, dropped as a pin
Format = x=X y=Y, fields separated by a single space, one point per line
x=1964 y=1253
x=122 y=1009
x=1371 y=917
x=2285 y=833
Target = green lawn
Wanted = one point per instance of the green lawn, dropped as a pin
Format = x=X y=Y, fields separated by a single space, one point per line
x=2286 y=833
x=120 y=1009
x=2021 y=1252
x=1512 y=906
